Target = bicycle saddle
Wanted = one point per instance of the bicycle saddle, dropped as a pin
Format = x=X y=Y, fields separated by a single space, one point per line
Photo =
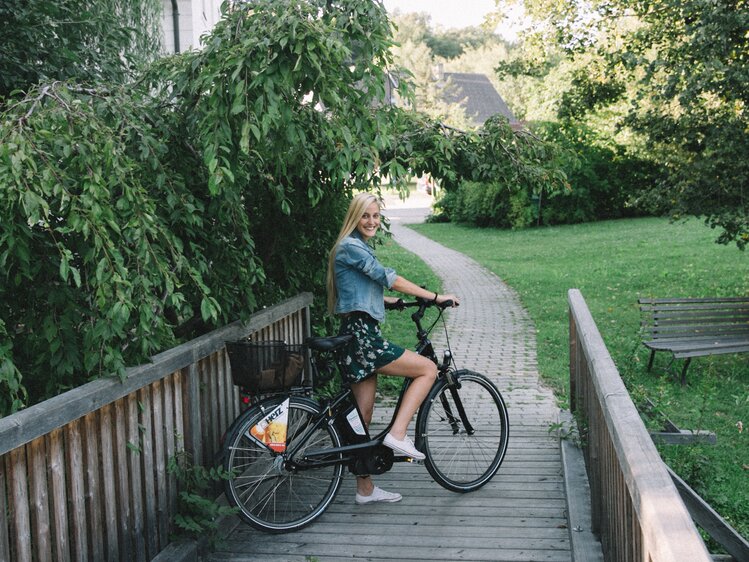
x=328 y=343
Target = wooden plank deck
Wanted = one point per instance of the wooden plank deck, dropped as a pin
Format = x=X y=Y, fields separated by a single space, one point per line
x=520 y=515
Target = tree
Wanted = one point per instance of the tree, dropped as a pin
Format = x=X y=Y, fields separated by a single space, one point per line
x=455 y=42
x=671 y=75
x=416 y=63
x=132 y=216
x=693 y=107
x=81 y=40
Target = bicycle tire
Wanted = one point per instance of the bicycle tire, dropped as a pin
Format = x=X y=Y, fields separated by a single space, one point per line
x=266 y=402
x=270 y=497
x=456 y=460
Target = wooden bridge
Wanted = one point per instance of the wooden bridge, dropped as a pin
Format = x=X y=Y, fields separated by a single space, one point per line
x=83 y=475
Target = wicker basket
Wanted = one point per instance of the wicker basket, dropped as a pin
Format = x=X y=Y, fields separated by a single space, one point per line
x=266 y=366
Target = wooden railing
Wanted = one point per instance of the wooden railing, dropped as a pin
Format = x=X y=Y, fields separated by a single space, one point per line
x=636 y=510
x=83 y=475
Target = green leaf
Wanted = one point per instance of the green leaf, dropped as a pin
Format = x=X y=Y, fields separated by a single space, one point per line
x=76 y=276
x=64 y=268
x=207 y=310
x=237 y=107
x=228 y=173
x=244 y=141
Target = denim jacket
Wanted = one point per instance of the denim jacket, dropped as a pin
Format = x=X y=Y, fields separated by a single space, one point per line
x=360 y=279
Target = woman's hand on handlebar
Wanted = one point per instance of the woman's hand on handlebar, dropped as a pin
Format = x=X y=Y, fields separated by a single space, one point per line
x=446 y=301
x=394 y=304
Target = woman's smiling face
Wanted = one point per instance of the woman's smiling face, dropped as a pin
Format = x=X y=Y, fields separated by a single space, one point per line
x=369 y=222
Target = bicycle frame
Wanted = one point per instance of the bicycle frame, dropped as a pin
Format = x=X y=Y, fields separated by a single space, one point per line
x=334 y=408
x=329 y=415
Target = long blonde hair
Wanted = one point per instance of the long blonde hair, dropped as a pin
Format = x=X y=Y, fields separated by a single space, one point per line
x=356 y=209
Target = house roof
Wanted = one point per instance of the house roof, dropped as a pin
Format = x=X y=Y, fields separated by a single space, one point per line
x=477 y=94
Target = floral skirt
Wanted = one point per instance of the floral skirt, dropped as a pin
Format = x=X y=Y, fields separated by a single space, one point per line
x=368 y=351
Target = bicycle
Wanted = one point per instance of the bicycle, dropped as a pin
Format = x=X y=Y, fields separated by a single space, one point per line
x=283 y=482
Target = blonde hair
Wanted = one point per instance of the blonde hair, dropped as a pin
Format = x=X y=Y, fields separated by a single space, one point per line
x=356 y=210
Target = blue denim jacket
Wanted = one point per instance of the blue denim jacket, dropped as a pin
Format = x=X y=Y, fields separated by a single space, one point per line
x=360 y=279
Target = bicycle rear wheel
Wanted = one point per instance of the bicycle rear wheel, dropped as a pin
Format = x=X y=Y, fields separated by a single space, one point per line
x=463 y=458
x=269 y=496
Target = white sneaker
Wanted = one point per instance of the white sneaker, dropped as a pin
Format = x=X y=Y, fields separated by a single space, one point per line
x=403 y=446
x=378 y=495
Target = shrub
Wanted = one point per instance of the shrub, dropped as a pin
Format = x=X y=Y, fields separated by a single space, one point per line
x=486 y=204
x=603 y=182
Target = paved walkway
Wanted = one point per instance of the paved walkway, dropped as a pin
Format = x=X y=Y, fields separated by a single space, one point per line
x=519 y=515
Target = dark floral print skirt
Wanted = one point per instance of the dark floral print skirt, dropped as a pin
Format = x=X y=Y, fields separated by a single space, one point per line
x=368 y=351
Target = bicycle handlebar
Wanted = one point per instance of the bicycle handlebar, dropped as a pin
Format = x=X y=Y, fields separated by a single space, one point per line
x=425 y=303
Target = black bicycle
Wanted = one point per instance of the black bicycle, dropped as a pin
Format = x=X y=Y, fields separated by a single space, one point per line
x=287 y=452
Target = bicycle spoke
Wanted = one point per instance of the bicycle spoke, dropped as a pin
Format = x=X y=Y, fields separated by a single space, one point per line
x=456 y=459
x=269 y=496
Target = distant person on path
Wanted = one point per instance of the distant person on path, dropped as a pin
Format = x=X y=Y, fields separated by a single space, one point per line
x=426 y=184
x=356 y=282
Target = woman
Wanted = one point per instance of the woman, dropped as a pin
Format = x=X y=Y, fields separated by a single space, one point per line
x=356 y=283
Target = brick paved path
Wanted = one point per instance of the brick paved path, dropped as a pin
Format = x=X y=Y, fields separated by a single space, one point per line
x=519 y=515
x=491 y=329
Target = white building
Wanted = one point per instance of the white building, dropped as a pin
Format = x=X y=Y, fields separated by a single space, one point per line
x=193 y=18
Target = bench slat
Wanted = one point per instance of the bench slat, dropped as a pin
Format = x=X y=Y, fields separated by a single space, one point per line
x=719 y=315
x=681 y=345
x=693 y=300
x=716 y=351
x=676 y=338
x=740 y=307
x=736 y=335
x=697 y=331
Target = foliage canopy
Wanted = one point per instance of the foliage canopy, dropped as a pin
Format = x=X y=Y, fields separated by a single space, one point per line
x=82 y=40
x=670 y=76
x=134 y=215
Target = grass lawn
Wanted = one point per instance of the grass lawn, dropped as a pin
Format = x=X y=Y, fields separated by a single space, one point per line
x=614 y=263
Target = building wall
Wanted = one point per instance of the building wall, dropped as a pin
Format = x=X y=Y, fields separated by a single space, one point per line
x=196 y=17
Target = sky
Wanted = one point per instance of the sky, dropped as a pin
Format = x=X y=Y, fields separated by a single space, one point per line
x=451 y=14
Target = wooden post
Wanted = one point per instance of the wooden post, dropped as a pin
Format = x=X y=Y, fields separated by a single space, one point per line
x=191 y=408
x=574 y=365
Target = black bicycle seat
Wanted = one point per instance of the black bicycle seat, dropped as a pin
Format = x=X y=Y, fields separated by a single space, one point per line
x=328 y=343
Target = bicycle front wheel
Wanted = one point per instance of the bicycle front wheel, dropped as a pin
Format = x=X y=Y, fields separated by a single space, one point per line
x=269 y=496
x=463 y=432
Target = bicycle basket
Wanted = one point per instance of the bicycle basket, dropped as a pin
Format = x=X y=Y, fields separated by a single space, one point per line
x=266 y=366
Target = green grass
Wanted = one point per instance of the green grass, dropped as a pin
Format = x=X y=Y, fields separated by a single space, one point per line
x=614 y=263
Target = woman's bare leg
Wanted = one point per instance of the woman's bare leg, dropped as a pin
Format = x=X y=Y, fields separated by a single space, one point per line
x=364 y=392
x=423 y=372
x=410 y=365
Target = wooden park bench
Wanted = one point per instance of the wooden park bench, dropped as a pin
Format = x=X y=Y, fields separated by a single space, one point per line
x=695 y=327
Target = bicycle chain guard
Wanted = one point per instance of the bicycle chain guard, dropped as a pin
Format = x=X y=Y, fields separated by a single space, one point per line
x=377 y=460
